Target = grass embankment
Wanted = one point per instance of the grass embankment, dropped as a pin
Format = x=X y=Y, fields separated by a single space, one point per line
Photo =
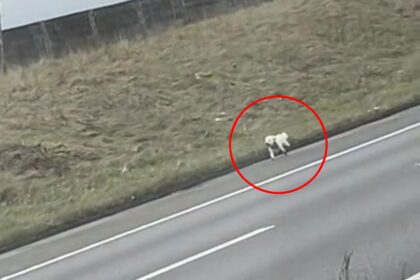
x=94 y=113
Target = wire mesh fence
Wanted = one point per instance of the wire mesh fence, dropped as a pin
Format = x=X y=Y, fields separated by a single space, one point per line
x=91 y=28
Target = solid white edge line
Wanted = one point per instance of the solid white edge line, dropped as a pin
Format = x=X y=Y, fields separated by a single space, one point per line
x=205 y=204
x=124 y=234
x=340 y=154
x=414 y=277
x=206 y=253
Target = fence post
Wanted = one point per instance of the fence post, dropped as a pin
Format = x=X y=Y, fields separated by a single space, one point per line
x=140 y=16
x=92 y=22
x=2 y=58
x=173 y=10
x=46 y=39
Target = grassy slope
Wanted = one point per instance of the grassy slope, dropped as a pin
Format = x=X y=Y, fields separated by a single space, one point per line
x=119 y=105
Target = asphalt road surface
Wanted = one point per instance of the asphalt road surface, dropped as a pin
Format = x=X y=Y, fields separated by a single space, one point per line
x=366 y=200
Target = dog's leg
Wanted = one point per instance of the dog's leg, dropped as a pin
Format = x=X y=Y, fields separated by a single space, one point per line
x=287 y=144
x=284 y=150
x=271 y=153
x=281 y=141
x=280 y=145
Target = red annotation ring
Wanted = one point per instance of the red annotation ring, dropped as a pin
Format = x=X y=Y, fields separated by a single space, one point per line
x=232 y=130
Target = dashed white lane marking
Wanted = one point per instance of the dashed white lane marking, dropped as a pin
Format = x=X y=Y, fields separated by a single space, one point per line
x=205 y=253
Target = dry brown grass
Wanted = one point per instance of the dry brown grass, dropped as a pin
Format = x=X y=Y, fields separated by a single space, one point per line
x=121 y=103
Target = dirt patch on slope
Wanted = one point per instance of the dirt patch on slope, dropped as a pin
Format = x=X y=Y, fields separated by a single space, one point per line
x=39 y=161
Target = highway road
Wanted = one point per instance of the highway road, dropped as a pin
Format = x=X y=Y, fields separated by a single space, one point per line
x=366 y=200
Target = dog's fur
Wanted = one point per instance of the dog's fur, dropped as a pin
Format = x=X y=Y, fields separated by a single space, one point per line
x=277 y=142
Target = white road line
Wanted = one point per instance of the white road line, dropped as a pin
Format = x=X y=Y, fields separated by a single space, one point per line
x=205 y=204
x=205 y=253
x=414 y=277
x=340 y=154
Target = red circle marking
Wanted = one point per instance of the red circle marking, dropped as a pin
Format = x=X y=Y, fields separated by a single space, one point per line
x=297 y=101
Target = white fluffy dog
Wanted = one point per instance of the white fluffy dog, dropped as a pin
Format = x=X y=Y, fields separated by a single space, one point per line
x=277 y=142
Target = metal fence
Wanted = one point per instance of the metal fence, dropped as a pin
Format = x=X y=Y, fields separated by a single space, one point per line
x=2 y=59
x=92 y=28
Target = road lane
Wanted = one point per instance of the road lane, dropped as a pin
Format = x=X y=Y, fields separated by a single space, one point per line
x=375 y=213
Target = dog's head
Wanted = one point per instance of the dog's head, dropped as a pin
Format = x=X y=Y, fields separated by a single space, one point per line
x=269 y=141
